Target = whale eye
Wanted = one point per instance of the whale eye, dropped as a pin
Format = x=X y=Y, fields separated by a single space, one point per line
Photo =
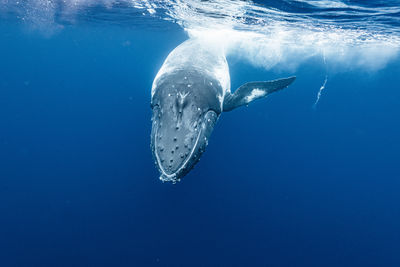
x=154 y=105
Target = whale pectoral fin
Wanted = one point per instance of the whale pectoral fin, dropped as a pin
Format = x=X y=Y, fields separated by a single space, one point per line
x=251 y=91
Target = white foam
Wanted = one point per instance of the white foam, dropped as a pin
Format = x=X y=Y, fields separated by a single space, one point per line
x=265 y=36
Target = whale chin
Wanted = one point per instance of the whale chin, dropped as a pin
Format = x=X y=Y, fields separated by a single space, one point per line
x=176 y=149
x=173 y=161
x=176 y=167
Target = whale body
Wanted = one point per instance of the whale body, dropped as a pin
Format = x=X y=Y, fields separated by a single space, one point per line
x=189 y=92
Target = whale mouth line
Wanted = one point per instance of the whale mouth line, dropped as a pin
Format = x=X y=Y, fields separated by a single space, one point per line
x=165 y=177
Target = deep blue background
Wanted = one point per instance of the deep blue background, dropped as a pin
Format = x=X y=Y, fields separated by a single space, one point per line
x=281 y=184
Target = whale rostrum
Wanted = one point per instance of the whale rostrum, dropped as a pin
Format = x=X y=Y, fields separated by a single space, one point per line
x=189 y=93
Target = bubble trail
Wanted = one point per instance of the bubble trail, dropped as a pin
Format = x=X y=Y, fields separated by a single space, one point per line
x=323 y=85
x=320 y=92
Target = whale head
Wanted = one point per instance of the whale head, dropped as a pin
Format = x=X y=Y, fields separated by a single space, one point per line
x=185 y=111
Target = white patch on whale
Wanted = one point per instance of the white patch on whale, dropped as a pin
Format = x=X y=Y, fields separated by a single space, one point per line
x=256 y=93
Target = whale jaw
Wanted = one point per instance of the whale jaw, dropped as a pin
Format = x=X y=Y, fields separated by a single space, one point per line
x=177 y=149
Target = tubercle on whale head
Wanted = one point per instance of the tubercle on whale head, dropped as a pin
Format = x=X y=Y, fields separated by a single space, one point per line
x=182 y=122
x=176 y=154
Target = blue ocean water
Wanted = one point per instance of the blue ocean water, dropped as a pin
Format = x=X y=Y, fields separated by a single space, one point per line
x=283 y=182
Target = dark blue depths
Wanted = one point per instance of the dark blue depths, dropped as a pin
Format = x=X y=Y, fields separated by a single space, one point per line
x=280 y=184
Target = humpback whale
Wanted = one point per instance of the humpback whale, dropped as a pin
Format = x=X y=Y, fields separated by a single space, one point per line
x=189 y=92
